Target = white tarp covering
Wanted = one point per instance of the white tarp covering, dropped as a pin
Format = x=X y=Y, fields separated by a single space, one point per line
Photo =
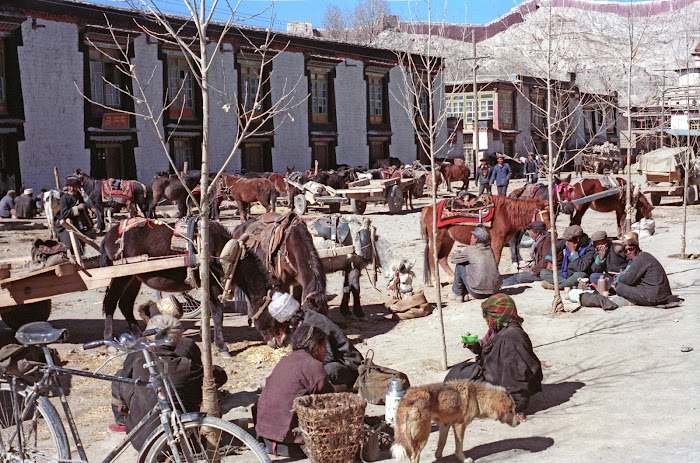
x=660 y=161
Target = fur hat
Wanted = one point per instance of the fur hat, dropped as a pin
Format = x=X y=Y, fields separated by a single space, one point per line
x=481 y=235
x=11 y=192
x=164 y=322
x=631 y=239
x=574 y=231
x=73 y=181
x=283 y=306
x=600 y=235
x=538 y=225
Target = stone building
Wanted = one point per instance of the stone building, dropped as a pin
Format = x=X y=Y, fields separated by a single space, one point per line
x=63 y=102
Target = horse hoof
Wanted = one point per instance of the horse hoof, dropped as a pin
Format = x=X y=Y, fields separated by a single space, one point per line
x=224 y=353
x=359 y=314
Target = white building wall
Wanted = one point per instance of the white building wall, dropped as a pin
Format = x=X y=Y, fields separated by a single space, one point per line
x=351 y=113
x=223 y=84
x=523 y=123
x=439 y=112
x=149 y=154
x=51 y=67
x=291 y=136
x=403 y=141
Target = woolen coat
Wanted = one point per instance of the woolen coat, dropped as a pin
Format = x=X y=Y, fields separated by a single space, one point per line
x=482 y=269
x=644 y=282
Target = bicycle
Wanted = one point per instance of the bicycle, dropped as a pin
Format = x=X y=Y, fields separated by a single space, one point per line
x=31 y=428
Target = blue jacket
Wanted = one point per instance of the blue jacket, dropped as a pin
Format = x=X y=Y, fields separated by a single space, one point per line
x=501 y=175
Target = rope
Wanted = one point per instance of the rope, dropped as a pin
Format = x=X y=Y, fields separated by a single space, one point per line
x=266 y=302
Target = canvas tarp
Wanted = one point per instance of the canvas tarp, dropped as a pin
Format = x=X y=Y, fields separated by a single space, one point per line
x=660 y=161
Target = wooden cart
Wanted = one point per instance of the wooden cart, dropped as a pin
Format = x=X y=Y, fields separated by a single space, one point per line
x=303 y=201
x=663 y=171
x=389 y=191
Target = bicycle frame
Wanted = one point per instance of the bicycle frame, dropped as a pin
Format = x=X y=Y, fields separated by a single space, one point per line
x=160 y=383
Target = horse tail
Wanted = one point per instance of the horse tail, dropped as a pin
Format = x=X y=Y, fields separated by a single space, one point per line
x=273 y=196
x=105 y=260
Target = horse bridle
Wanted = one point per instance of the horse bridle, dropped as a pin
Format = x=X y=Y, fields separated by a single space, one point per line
x=266 y=302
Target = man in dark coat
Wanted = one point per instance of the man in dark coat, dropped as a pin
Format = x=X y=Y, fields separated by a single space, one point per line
x=530 y=169
x=483 y=173
x=342 y=361
x=476 y=270
x=504 y=356
x=72 y=207
x=501 y=175
x=25 y=207
x=610 y=258
x=578 y=256
x=644 y=282
x=539 y=250
x=7 y=204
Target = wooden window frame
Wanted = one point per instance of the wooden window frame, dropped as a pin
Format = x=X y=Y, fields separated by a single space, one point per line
x=319 y=95
x=375 y=92
x=105 y=76
x=180 y=87
x=488 y=100
x=189 y=157
x=249 y=81
x=506 y=110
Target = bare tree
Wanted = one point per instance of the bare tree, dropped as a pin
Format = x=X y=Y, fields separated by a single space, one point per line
x=334 y=22
x=367 y=19
x=199 y=43
x=422 y=97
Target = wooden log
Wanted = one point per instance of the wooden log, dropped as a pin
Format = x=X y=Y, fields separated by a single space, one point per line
x=593 y=197
x=87 y=240
x=336 y=251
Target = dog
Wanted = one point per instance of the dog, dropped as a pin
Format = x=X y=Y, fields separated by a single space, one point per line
x=452 y=404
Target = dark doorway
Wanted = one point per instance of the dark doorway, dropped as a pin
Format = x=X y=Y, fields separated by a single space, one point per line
x=377 y=151
x=107 y=162
x=324 y=153
x=256 y=157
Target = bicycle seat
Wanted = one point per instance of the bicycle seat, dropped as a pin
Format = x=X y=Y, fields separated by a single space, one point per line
x=40 y=333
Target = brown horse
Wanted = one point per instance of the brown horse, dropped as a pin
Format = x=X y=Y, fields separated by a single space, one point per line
x=510 y=216
x=455 y=173
x=170 y=187
x=248 y=190
x=279 y=183
x=155 y=241
x=616 y=203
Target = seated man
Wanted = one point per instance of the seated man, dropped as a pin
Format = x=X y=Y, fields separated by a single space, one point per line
x=644 y=281
x=609 y=260
x=504 y=356
x=541 y=246
x=578 y=256
x=25 y=207
x=476 y=270
x=7 y=204
x=183 y=361
x=342 y=360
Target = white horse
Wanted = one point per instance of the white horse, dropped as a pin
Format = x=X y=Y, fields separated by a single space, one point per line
x=50 y=201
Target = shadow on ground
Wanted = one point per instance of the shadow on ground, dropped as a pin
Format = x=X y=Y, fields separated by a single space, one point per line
x=553 y=395
x=532 y=444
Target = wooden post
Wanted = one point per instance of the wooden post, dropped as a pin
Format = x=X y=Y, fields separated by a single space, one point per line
x=76 y=248
x=5 y=271
x=55 y=176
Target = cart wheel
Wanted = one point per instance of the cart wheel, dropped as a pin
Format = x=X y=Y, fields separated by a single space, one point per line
x=300 y=204
x=655 y=199
x=395 y=199
x=191 y=307
x=27 y=313
x=358 y=206
x=334 y=207
x=690 y=196
x=616 y=167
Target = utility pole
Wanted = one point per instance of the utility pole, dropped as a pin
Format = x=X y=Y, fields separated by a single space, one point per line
x=475 y=142
x=663 y=107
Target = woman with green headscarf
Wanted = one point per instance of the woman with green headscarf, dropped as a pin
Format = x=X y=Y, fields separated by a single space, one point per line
x=504 y=356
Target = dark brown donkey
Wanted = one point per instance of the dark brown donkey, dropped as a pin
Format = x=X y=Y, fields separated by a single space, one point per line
x=248 y=190
x=152 y=239
x=510 y=215
x=170 y=187
x=455 y=173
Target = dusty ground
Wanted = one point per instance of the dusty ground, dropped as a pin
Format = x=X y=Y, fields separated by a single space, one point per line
x=616 y=385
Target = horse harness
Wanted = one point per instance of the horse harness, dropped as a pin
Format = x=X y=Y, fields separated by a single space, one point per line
x=272 y=229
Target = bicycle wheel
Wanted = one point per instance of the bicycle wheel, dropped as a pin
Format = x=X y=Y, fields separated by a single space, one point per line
x=43 y=436
x=208 y=439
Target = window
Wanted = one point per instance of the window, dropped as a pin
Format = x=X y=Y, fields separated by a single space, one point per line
x=423 y=102
x=455 y=106
x=505 y=110
x=376 y=92
x=319 y=96
x=469 y=109
x=538 y=112
x=486 y=106
x=250 y=81
x=180 y=87
x=182 y=151
x=105 y=78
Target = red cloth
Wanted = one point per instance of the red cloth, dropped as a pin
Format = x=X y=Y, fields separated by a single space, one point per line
x=447 y=217
x=297 y=374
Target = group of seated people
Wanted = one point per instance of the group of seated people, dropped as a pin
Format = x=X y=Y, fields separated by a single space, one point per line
x=634 y=275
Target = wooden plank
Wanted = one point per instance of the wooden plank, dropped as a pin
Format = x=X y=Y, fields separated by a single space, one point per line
x=358 y=183
x=337 y=251
x=366 y=191
x=596 y=196
x=89 y=241
x=390 y=182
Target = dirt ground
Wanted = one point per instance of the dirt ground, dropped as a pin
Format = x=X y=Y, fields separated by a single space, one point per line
x=617 y=386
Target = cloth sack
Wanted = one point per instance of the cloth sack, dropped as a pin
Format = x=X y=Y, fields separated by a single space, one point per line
x=46 y=253
x=373 y=380
x=596 y=300
x=19 y=360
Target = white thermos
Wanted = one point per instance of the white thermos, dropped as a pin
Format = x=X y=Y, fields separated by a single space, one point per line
x=393 y=397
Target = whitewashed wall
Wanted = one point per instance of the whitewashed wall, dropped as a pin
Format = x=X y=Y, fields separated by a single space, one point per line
x=149 y=154
x=291 y=136
x=223 y=84
x=351 y=111
x=403 y=141
x=50 y=67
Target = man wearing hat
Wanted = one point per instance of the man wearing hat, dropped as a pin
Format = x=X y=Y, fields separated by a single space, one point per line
x=476 y=270
x=7 y=204
x=644 y=281
x=501 y=175
x=72 y=207
x=530 y=168
x=540 y=248
x=610 y=257
x=25 y=207
x=578 y=256
x=483 y=173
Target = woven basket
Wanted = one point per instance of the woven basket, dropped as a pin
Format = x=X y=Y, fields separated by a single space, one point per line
x=331 y=425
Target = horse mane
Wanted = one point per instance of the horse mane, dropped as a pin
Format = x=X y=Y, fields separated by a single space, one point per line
x=519 y=211
x=317 y=289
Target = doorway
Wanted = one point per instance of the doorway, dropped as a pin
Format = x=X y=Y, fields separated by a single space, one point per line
x=107 y=162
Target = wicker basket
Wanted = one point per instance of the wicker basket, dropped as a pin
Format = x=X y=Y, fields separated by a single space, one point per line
x=331 y=425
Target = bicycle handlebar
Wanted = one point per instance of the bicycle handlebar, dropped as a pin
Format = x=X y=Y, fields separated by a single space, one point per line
x=137 y=347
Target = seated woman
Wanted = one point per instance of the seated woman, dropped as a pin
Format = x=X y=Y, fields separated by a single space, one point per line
x=644 y=281
x=299 y=373
x=504 y=356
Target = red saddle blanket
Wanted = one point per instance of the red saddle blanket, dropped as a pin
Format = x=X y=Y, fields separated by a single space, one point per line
x=455 y=211
x=128 y=224
x=122 y=194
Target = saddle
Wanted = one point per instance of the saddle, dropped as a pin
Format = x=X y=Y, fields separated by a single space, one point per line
x=454 y=211
x=128 y=224
x=269 y=232
x=333 y=228
x=117 y=191
x=529 y=191
x=184 y=236
x=609 y=183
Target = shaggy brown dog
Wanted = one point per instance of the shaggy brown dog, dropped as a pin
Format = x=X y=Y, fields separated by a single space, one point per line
x=453 y=404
